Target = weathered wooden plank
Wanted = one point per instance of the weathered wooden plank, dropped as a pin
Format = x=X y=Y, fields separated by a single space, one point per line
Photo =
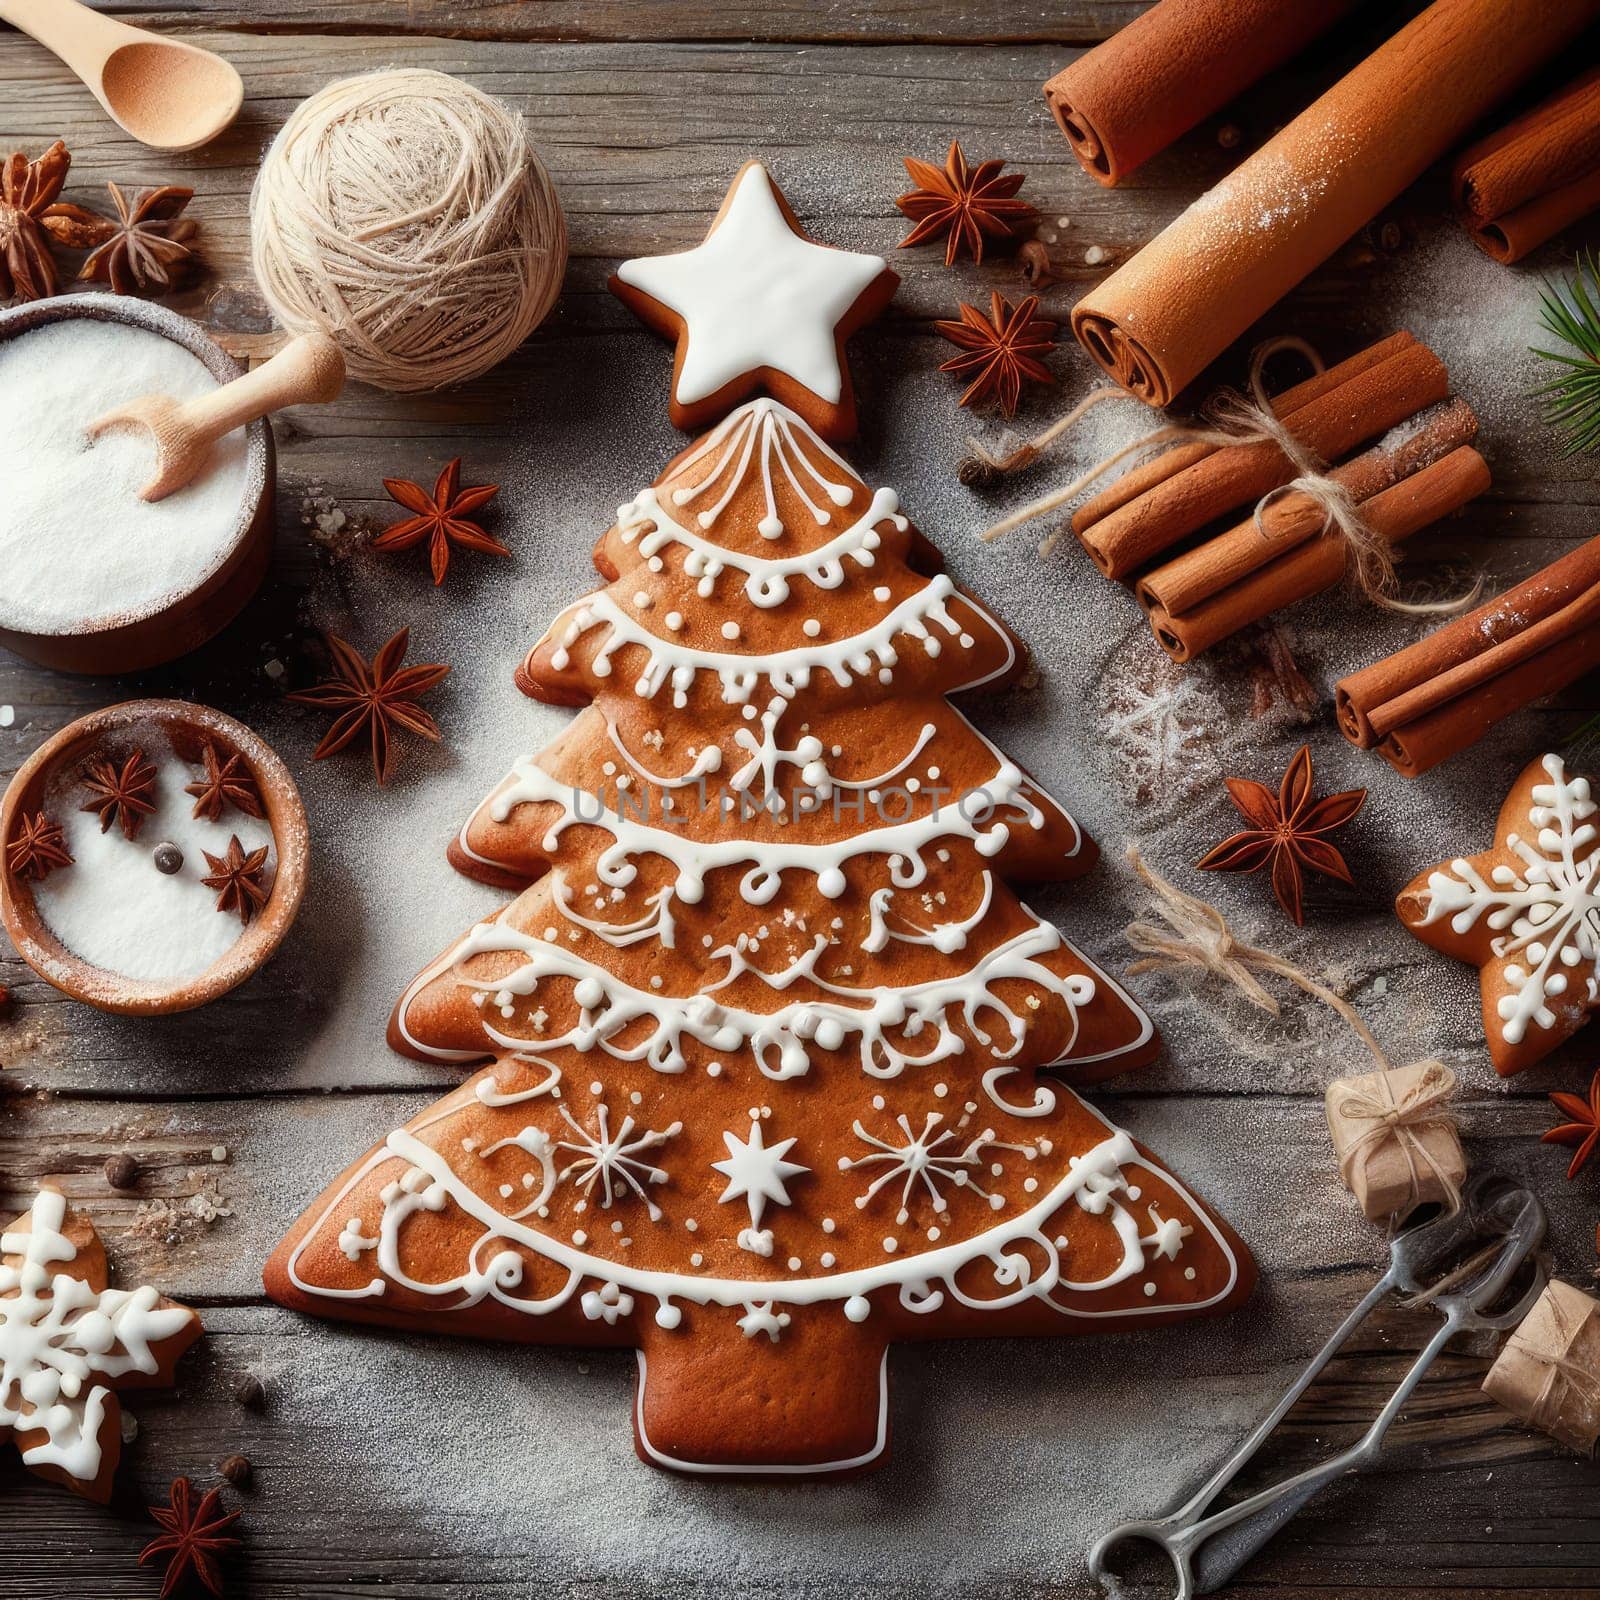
x=1072 y=22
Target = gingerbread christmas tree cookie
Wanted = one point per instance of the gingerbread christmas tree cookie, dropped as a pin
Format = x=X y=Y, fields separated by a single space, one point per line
x=776 y=1054
x=1526 y=913
x=68 y=1343
x=759 y=305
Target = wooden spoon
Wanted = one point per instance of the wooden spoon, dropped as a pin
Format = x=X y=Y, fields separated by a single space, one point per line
x=167 y=94
x=307 y=369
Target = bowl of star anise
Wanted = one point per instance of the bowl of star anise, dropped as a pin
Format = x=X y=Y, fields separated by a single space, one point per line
x=99 y=577
x=152 y=856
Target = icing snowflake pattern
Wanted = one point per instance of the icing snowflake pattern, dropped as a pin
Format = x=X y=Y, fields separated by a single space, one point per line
x=1018 y=1259
x=1546 y=916
x=936 y=1158
x=57 y=1335
x=613 y=1160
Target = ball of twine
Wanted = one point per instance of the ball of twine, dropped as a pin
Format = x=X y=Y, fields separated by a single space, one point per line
x=406 y=214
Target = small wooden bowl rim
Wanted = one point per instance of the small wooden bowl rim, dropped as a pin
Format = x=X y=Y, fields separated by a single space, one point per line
x=111 y=991
x=18 y=321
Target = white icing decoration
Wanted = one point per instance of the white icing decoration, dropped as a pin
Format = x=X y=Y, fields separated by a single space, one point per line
x=613 y=1159
x=756 y=1173
x=756 y=294
x=763 y=1319
x=609 y=1008
x=936 y=1156
x=57 y=1335
x=606 y=1304
x=656 y=923
x=1022 y=1262
x=760 y=432
x=1166 y=1235
x=652 y=525
x=968 y=817
x=1551 y=908
x=786 y=672
x=945 y=937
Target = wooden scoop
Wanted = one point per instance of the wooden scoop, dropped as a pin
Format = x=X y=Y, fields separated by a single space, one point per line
x=167 y=94
x=307 y=369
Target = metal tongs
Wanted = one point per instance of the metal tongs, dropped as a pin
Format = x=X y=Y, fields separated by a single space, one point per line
x=1435 y=1260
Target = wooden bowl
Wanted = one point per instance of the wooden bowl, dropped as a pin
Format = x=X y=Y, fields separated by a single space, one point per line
x=188 y=727
x=148 y=638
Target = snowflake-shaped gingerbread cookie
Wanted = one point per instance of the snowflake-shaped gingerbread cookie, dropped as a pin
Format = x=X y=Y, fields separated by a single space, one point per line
x=66 y=1339
x=1526 y=913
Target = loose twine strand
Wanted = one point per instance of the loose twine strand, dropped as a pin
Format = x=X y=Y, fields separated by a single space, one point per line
x=406 y=214
x=1197 y=935
x=1234 y=420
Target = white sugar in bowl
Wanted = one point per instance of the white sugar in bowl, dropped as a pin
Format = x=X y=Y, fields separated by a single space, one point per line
x=97 y=579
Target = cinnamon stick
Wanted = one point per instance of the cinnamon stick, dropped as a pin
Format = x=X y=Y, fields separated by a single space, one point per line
x=1354 y=402
x=1170 y=68
x=1180 y=584
x=1144 y=477
x=1528 y=180
x=1395 y=513
x=1426 y=703
x=1164 y=315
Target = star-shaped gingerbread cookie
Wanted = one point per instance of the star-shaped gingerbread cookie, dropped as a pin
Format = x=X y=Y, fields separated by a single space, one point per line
x=759 y=305
x=1526 y=913
x=68 y=1343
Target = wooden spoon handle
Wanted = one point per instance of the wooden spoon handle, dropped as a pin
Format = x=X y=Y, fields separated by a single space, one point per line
x=81 y=38
x=307 y=369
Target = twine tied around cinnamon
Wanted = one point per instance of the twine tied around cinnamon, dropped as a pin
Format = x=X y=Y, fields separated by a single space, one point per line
x=1234 y=420
x=1198 y=935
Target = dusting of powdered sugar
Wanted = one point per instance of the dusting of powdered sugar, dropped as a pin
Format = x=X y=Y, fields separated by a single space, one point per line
x=1481 y=319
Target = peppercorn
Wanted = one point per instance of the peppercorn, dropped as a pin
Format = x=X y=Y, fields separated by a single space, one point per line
x=122 y=1172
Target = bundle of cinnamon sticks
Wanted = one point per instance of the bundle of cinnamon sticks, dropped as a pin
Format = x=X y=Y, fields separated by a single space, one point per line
x=1184 y=530
x=1430 y=701
x=1529 y=179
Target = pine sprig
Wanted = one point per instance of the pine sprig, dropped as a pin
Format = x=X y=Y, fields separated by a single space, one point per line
x=1572 y=400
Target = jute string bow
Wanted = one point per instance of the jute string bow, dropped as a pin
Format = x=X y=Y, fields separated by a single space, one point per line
x=1197 y=935
x=1404 y=1119
x=1234 y=420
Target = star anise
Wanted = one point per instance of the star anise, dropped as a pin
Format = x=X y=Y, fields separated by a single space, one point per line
x=197 y=1534
x=1583 y=1128
x=29 y=218
x=226 y=783
x=1002 y=350
x=1288 y=830
x=37 y=848
x=441 y=518
x=147 y=244
x=237 y=879
x=121 y=794
x=379 y=697
x=965 y=203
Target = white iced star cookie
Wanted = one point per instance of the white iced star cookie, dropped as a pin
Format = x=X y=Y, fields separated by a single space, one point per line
x=759 y=305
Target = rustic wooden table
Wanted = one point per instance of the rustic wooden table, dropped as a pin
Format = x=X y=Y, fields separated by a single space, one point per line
x=425 y=1468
